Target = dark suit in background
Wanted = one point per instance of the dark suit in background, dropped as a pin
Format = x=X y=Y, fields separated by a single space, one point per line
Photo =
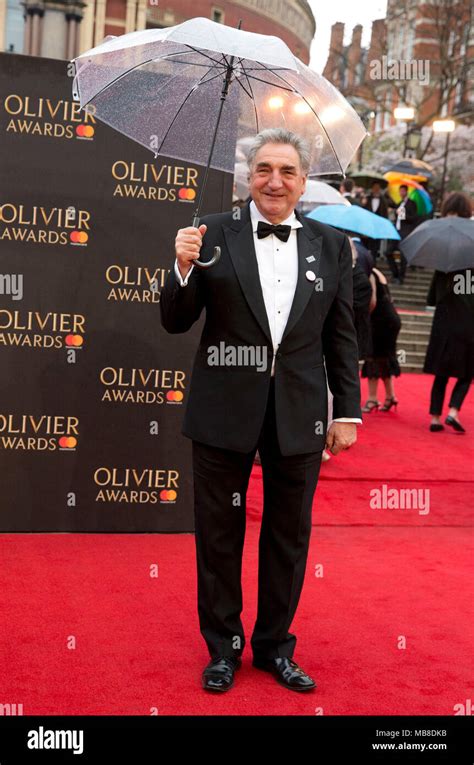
x=405 y=227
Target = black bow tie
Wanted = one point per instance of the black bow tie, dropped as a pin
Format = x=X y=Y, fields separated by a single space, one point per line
x=281 y=231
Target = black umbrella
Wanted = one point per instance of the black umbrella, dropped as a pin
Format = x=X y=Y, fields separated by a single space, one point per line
x=366 y=178
x=446 y=244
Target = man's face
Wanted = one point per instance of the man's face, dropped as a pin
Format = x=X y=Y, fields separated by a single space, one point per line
x=403 y=192
x=375 y=189
x=276 y=181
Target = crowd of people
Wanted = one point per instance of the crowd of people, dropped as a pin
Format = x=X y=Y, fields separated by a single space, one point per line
x=450 y=351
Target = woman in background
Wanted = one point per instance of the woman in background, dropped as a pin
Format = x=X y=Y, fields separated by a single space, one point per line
x=382 y=363
x=450 y=350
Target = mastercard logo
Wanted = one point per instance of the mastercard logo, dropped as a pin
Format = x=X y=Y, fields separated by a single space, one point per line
x=174 y=395
x=74 y=341
x=67 y=442
x=84 y=131
x=186 y=195
x=78 y=237
x=168 y=495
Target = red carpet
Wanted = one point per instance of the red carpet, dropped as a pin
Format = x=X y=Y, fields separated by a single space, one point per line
x=389 y=575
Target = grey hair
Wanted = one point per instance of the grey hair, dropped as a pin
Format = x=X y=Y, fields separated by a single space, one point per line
x=281 y=135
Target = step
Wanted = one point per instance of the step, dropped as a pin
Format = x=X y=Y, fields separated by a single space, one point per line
x=406 y=303
x=410 y=368
x=426 y=315
x=412 y=345
x=414 y=337
x=401 y=294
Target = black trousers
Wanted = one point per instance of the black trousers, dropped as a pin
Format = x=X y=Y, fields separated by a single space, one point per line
x=221 y=478
x=398 y=271
x=438 y=391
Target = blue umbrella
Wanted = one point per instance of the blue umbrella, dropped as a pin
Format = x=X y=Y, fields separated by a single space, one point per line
x=355 y=219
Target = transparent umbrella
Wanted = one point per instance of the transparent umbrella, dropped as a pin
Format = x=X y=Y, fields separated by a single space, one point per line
x=177 y=90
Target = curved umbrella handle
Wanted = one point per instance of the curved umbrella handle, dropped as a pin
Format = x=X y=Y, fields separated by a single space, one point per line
x=215 y=257
x=211 y=262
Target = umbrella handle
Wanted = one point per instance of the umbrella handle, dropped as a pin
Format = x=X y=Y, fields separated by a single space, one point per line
x=215 y=257
x=211 y=262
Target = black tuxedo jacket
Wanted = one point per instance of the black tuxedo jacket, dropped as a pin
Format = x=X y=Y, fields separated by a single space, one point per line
x=226 y=404
x=381 y=210
x=409 y=224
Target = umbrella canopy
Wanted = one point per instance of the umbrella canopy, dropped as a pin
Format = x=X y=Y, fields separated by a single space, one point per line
x=365 y=178
x=445 y=244
x=411 y=166
x=320 y=193
x=416 y=192
x=163 y=88
x=354 y=218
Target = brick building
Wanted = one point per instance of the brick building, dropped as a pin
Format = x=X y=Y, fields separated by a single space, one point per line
x=66 y=28
x=406 y=62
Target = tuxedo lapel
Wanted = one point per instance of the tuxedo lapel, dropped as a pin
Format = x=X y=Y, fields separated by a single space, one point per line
x=309 y=259
x=239 y=239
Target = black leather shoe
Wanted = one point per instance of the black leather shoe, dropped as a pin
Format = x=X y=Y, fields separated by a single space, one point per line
x=218 y=675
x=454 y=424
x=287 y=672
x=436 y=427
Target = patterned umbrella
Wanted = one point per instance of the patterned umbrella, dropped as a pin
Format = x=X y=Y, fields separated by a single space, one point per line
x=416 y=192
x=415 y=168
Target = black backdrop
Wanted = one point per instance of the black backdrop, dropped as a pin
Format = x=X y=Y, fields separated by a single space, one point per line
x=92 y=389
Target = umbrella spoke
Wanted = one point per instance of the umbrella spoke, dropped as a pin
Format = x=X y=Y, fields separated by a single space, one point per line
x=206 y=55
x=252 y=97
x=272 y=84
x=243 y=87
x=273 y=69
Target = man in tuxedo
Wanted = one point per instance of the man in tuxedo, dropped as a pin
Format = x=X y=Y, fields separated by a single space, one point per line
x=407 y=220
x=346 y=189
x=375 y=202
x=278 y=318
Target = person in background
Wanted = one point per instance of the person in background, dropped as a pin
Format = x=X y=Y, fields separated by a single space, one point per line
x=407 y=220
x=383 y=363
x=450 y=351
x=347 y=190
x=364 y=256
x=362 y=301
x=375 y=202
x=359 y=193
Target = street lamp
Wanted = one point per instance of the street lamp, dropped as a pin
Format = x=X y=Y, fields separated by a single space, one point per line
x=413 y=139
x=406 y=114
x=444 y=126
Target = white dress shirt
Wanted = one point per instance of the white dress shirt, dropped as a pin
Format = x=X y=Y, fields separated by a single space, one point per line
x=277 y=263
x=401 y=214
x=375 y=201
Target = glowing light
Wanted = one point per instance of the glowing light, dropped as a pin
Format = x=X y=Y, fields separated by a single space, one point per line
x=275 y=102
x=302 y=108
x=444 y=126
